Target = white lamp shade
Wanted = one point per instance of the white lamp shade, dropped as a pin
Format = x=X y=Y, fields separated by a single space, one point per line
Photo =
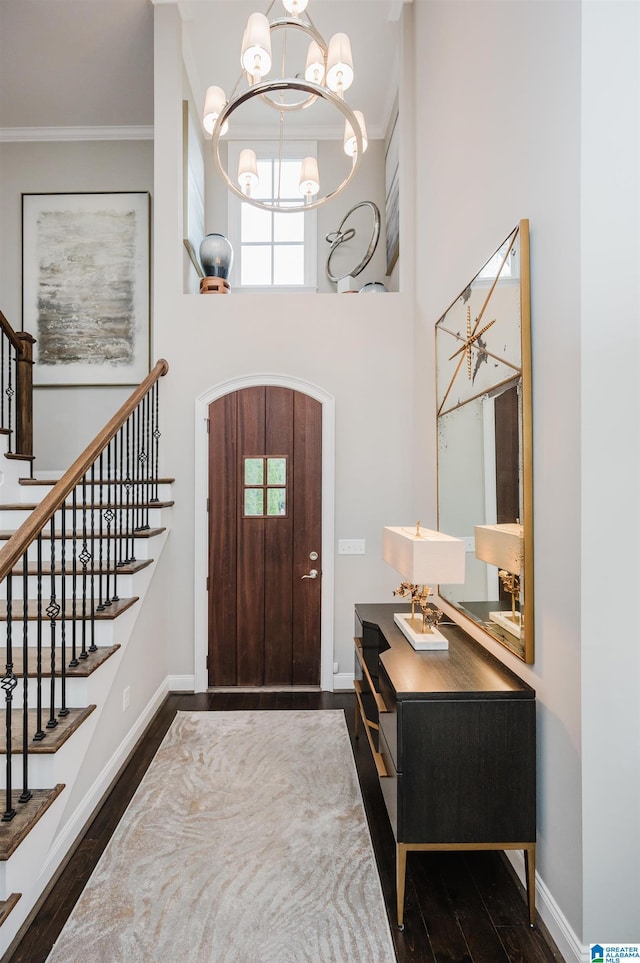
x=425 y=559
x=339 y=63
x=248 y=170
x=296 y=7
x=214 y=102
x=309 y=178
x=501 y=545
x=256 y=46
x=350 y=142
x=314 y=70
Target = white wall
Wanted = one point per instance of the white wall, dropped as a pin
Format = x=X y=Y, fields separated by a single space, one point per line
x=356 y=349
x=56 y=168
x=497 y=129
x=610 y=359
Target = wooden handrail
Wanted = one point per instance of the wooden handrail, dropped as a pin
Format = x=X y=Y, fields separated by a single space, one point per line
x=10 y=333
x=29 y=530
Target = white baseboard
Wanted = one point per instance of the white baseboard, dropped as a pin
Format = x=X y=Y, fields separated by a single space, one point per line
x=560 y=931
x=343 y=682
x=181 y=683
x=74 y=826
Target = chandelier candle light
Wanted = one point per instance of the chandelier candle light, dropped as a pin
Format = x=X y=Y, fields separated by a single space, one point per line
x=424 y=558
x=324 y=77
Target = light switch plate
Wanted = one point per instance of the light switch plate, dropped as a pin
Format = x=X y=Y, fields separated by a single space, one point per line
x=351 y=546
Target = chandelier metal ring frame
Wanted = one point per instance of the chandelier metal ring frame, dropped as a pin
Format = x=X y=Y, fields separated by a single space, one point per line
x=336 y=238
x=310 y=31
x=262 y=90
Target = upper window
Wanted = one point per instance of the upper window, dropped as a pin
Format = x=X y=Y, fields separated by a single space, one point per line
x=273 y=250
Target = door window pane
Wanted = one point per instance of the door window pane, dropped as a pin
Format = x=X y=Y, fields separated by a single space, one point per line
x=254 y=501
x=276 y=471
x=276 y=501
x=254 y=471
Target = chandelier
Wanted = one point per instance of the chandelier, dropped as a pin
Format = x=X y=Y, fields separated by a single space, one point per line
x=322 y=79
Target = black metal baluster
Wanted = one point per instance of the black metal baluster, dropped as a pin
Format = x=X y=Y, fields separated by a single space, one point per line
x=74 y=580
x=116 y=536
x=84 y=557
x=108 y=517
x=10 y=392
x=127 y=485
x=26 y=792
x=2 y=365
x=92 y=577
x=39 y=733
x=156 y=439
x=147 y=463
x=53 y=611
x=100 y=508
x=63 y=604
x=9 y=682
x=137 y=464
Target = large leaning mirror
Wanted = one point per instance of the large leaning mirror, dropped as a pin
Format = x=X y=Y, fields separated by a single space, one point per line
x=483 y=378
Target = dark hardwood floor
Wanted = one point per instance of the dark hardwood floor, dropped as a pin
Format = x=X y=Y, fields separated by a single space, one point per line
x=460 y=907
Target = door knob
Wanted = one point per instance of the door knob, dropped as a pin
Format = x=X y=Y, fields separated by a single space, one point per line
x=312 y=574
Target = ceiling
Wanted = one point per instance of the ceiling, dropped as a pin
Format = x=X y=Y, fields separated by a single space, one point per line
x=89 y=63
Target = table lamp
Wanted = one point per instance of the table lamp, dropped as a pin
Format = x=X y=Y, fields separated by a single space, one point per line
x=423 y=557
x=503 y=545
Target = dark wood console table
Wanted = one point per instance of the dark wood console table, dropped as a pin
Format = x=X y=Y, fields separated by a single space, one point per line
x=453 y=736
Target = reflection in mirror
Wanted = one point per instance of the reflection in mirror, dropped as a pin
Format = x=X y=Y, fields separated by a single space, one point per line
x=483 y=361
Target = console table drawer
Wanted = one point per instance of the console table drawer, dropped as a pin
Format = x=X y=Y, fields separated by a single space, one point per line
x=388 y=719
x=389 y=784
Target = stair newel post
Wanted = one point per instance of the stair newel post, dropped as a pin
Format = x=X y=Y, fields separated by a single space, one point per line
x=63 y=605
x=53 y=611
x=9 y=682
x=84 y=557
x=73 y=662
x=39 y=733
x=10 y=393
x=92 y=576
x=26 y=792
x=24 y=396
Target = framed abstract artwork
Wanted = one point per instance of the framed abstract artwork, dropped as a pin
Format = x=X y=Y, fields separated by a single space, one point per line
x=85 y=287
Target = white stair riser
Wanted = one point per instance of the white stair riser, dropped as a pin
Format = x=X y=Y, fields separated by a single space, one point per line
x=142 y=548
x=11 y=519
x=32 y=494
x=103 y=633
x=124 y=588
x=49 y=768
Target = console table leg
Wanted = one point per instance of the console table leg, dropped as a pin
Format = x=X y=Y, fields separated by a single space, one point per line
x=530 y=871
x=401 y=875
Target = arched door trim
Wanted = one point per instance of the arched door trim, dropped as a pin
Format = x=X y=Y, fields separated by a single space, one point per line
x=201 y=522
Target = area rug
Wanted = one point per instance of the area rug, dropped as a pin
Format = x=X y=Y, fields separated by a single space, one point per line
x=246 y=842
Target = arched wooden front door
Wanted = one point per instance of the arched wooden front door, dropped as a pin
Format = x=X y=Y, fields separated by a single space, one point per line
x=265 y=508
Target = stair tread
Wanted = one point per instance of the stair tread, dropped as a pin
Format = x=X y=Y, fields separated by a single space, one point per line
x=31 y=506
x=46 y=534
x=27 y=815
x=81 y=671
x=6 y=905
x=53 y=738
x=111 y=611
x=53 y=481
x=129 y=568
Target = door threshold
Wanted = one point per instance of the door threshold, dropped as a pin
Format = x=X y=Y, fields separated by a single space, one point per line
x=264 y=688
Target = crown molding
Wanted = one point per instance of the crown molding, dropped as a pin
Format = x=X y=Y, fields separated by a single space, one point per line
x=49 y=134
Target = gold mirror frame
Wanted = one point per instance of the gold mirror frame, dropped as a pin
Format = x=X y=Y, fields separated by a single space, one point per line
x=483 y=353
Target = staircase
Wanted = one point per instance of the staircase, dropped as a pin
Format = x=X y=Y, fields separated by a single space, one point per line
x=77 y=557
